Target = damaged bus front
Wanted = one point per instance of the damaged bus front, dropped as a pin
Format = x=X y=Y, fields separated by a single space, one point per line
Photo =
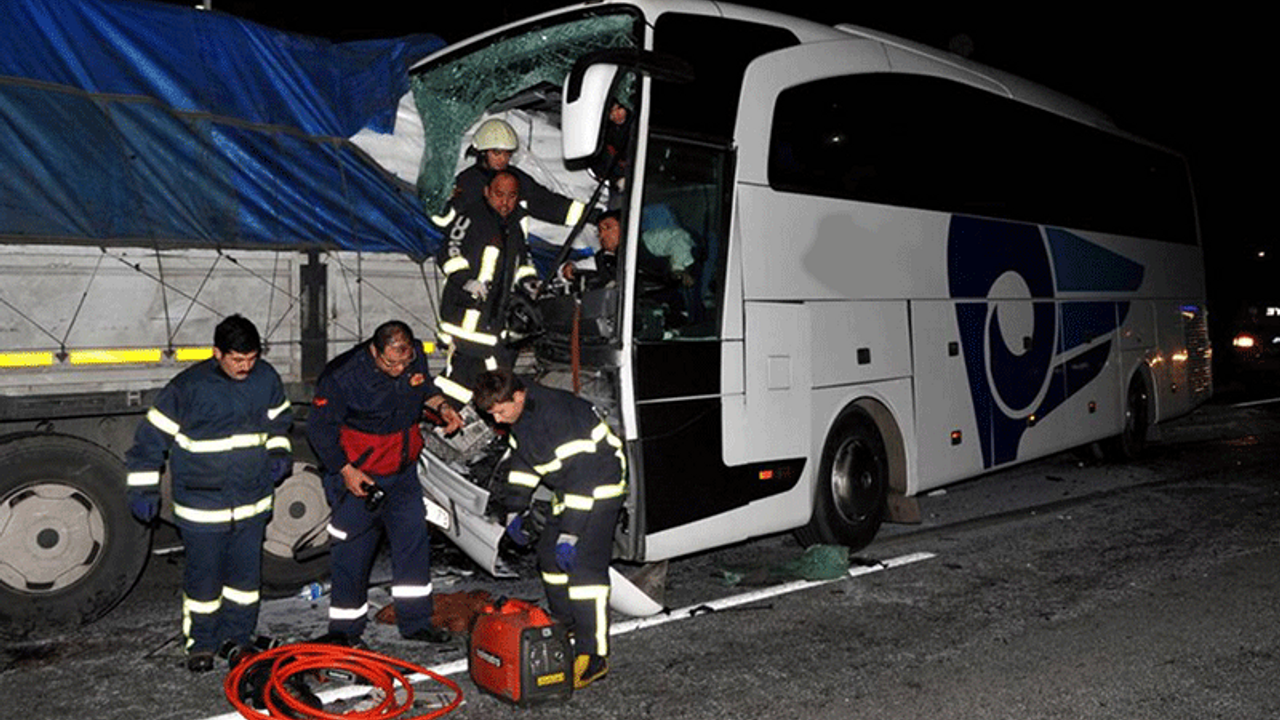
x=805 y=329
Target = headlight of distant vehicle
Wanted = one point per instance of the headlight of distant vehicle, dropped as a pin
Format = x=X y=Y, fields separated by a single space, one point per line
x=1244 y=341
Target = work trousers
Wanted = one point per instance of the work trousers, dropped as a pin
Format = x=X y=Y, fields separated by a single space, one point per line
x=354 y=534
x=579 y=599
x=221 y=582
x=466 y=361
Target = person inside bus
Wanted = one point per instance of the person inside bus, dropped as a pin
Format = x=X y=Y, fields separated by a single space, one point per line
x=614 y=162
x=493 y=145
x=667 y=265
x=600 y=269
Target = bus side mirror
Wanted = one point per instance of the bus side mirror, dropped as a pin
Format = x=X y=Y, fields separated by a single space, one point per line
x=583 y=110
x=592 y=81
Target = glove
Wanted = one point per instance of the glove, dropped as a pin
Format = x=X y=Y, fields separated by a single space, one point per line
x=567 y=552
x=279 y=468
x=144 y=505
x=477 y=289
x=516 y=531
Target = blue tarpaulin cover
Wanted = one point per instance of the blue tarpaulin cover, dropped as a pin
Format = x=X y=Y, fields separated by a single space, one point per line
x=134 y=123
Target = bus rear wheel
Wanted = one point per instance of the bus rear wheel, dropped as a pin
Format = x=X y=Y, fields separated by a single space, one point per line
x=853 y=482
x=1132 y=440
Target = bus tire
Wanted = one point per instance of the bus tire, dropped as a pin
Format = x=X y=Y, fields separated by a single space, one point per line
x=1132 y=440
x=70 y=550
x=300 y=515
x=852 y=484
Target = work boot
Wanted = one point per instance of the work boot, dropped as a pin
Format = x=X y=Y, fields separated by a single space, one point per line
x=430 y=634
x=587 y=669
x=200 y=662
x=342 y=640
x=239 y=654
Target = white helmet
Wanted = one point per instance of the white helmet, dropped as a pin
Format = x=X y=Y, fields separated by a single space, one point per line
x=495 y=134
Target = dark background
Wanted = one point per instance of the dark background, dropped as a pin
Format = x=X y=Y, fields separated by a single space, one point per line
x=1197 y=82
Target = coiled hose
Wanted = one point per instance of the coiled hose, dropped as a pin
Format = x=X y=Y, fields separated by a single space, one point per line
x=288 y=662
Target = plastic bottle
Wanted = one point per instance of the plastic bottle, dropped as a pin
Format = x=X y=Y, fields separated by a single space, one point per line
x=313 y=591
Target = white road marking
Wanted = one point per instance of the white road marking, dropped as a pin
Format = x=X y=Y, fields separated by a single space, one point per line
x=622 y=628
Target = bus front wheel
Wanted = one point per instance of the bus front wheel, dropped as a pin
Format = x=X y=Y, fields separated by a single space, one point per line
x=853 y=481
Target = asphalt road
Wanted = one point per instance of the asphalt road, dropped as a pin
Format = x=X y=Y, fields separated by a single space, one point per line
x=1059 y=589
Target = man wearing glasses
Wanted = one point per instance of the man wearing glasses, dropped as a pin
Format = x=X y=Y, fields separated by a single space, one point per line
x=364 y=428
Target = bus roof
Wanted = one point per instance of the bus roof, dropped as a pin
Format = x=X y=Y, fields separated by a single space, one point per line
x=809 y=31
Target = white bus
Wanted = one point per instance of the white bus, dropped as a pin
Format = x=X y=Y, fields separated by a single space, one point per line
x=853 y=268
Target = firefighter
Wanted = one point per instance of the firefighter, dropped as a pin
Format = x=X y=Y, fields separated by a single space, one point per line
x=557 y=440
x=493 y=145
x=364 y=428
x=223 y=425
x=484 y=259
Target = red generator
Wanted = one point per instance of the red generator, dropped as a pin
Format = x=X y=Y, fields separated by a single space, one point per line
x=520 y=654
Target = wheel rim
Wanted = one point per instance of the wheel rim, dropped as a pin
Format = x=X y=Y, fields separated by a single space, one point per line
x=299 y=509
x=853 y=480
x=51 y=536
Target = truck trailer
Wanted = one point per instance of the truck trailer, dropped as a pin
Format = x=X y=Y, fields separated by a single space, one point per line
x=164 y=168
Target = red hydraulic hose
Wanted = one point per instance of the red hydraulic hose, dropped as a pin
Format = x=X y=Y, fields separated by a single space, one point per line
x=380 y=671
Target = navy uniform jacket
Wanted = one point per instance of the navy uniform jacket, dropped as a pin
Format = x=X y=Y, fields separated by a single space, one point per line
x=359 y=410
x=560 y=442
x=217 y=433
x=483 y=246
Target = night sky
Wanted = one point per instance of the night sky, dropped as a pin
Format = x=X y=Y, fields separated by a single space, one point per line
x=1199 y=84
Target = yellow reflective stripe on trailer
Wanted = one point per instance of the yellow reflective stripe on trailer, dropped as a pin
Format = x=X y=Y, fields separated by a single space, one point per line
x=114 y=357
x=101 y=356
x=192 y=354
x=26 y=359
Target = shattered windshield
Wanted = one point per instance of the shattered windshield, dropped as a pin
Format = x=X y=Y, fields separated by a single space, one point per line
x=524 y=71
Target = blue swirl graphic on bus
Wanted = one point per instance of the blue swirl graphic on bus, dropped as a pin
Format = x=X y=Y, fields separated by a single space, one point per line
x=1025 y=350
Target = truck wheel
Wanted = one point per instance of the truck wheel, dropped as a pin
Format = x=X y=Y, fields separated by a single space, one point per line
x=69 y=547
x=853 y=481
x=300 y=516
x=1132 y=440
